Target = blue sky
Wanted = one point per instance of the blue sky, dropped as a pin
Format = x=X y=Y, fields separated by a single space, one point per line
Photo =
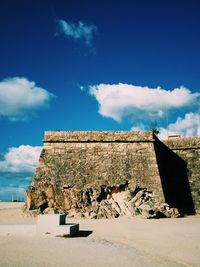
x=93 y=65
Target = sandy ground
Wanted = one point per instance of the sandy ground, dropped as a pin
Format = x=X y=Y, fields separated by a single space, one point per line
x=103 y=243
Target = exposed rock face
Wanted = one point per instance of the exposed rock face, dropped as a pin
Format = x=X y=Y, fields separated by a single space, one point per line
x=106 y=202
x=83 y=172
x=104 y=175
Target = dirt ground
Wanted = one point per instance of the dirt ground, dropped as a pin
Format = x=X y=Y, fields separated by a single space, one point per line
x=108 y=242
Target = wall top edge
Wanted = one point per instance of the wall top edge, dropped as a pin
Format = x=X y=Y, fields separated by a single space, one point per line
x=183 y=143
x=97 y=136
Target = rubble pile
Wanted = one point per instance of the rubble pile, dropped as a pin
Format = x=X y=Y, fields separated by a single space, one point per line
x=104 y=202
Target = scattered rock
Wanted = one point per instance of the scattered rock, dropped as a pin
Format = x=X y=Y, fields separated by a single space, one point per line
x=104 y=202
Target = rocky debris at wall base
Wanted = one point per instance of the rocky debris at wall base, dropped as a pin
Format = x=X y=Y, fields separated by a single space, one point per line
x=105 y=202
x=106 y=174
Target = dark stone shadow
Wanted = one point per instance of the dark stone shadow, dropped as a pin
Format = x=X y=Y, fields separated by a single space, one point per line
x=43 y=206
x=82 y=233
x=77 y=235
x=174 y=179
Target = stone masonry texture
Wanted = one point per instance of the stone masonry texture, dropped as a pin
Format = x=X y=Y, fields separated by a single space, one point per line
x=75 y=165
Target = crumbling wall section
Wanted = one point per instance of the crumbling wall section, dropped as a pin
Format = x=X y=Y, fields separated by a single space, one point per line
x=76 y=168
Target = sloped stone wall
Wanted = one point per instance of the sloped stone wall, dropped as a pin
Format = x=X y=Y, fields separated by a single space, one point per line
x=83 y=172
x=189 y=150
x=72 y=164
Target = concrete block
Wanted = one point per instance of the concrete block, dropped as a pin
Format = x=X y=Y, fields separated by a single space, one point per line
x=62 y=230
x=54 y=224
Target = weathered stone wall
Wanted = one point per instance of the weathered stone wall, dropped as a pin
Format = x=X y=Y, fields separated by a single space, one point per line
x=76 y=161
x=83 y=171
x=83 y=158
x=189 y=150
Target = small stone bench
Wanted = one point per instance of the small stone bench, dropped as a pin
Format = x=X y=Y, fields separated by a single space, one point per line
x=56 y=225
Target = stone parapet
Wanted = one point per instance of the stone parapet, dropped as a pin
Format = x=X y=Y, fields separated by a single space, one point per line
x=183 y=143
x=97 y=136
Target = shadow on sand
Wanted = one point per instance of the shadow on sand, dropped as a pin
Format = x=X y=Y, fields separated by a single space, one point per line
x=79 y=234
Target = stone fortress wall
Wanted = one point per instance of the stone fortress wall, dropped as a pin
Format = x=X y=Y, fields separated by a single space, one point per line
x=75 y=168
x=189 y=150
x=96 y=157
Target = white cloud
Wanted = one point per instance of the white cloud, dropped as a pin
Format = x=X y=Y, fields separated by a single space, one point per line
x=20 y=98
x=21 y=159
x=139 y=127
x=186 y=127
x=118 y=101
x=79 y=31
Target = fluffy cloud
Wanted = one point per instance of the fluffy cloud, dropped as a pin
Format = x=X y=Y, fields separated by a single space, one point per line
x=20 y=98
x=80 y=31
x=22 y=159
x=118 y=101
x=139 y=127
x=187 y=126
